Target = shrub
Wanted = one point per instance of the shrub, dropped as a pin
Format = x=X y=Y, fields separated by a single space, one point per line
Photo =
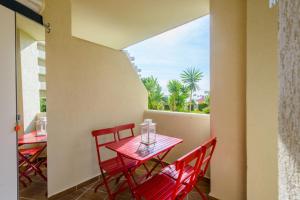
x=206 y=110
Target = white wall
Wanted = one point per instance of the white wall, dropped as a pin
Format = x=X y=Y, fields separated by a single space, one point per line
x=29 y=77
x=194 y=129
x=228 y=98
x=8 y=142
x=88 y=87
x=262 y=100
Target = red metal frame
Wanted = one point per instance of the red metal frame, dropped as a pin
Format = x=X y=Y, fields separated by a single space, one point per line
x=125 y=127
x=29 y=160
x=132 y=149
x=112 y=168
x=164 y=187
x=209 y=148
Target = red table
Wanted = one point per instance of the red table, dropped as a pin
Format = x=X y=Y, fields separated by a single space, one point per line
x=31 y=138
x=28 y=157
x=133 y=149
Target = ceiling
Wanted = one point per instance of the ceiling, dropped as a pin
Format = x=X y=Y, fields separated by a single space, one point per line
x=120 y=23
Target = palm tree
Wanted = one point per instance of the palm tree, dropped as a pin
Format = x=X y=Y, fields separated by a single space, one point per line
x=178 y=95
x=155 y=94
x=191 y=77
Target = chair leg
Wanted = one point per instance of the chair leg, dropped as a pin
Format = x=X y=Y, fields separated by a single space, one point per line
x=203 y=196
x=23 y=183
x=110 y=195
x=118 y=179
x=97 y=187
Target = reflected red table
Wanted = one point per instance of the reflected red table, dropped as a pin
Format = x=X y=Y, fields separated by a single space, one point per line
x=32 y=138
x=29 y=156
x=132 y=148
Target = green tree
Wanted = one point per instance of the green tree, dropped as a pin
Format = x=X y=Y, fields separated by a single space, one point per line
x=155 y=94
x=43 y=105
x=191 y=77
x=178 y=95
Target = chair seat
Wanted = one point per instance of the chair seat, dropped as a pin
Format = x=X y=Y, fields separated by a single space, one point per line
x=114 y=165
x=171 y=171
x=30 y=151
x=159 y=187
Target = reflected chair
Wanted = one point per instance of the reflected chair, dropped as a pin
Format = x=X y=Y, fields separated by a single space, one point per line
x=29 y=162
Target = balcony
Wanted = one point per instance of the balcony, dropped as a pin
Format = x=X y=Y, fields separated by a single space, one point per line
x=43 y=86
x=42 y=70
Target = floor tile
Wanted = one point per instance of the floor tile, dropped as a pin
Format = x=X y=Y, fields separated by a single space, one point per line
x=38 y=188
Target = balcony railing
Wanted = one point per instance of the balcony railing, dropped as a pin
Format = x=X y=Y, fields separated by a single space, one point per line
x=42 y=70
x=193 y=128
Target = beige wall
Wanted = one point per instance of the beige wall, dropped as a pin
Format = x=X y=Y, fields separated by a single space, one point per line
x=88 y=87
x=194 y=129
x=228 y=67
x=262 y=97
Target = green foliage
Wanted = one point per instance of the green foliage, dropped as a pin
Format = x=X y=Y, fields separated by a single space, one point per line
x=155 y=95
x=43 y=105
x=201 y=106
x=205 y=106
x=190 y=77
x=206 y=110
x=207 y=99
x=178 y=95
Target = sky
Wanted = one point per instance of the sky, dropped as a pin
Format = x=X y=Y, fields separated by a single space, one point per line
x=166 y=55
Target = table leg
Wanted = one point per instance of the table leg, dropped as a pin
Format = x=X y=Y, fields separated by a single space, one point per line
x=158 y=163
x=128 y=175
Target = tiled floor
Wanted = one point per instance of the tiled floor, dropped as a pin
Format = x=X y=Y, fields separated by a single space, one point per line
x=37 y=191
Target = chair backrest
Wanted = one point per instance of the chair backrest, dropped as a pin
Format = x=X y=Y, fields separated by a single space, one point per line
x=192 y=159
x=125 y=127
x=97 y=134
x=210 y=147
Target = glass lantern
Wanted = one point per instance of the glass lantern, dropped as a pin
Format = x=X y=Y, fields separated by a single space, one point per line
x=148 y=132
x=41 y=125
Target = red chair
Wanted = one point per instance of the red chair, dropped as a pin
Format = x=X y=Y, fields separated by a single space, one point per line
x=29 y=161
x=165 y=187
x=125 y=127
x=209 y=148
x=113 y=167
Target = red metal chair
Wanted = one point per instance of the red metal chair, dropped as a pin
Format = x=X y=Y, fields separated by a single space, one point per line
x=29 y=162
x=209 y=148
x=165 y=187
x=113 y=167
x=125 y=127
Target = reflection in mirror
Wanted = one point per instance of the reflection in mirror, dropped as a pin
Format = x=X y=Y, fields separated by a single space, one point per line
x=31 y=107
